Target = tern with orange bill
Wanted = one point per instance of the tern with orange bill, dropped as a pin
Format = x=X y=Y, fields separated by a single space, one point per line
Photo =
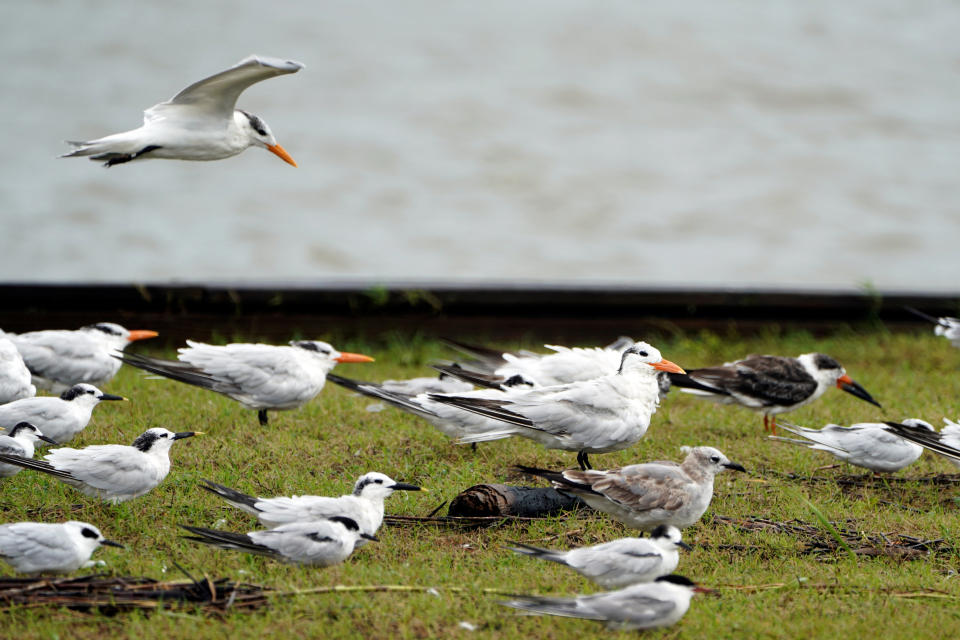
x=608 y=413
x=261 y=377
x=60 y=358
x=770 y=384
x=199 y=123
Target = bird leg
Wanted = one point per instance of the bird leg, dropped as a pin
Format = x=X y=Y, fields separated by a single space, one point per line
x=583 y=461
x=770 y=424
x=262 y=417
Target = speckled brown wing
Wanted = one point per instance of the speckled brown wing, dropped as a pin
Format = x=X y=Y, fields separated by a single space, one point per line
x=638 y=489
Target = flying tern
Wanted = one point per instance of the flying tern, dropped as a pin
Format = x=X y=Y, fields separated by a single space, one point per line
x=660 y=603
x=61 y=358
x=622 y=562
x=646 y=496
x=866 y=444
x=60 y=418
x=261 y=377
x=199 y=123
x=603 y=414
x=319 y=543
x=19 y=441
x=364 y=505
x=112 y=472
x=15 y=381
x=36 y=547
x=770 y=384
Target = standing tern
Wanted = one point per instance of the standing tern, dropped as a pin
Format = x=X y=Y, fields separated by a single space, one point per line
x=604 y=414
x=60 y=418
x=59 y=359
x=866 y=444
x=364 y=505
x=199 y=123
x=36 y=547
x=112 y=472
x=660 y=603
x=319 y=543
x=19 y=441
x=261 y=377
x=14 y=376
x=946 y=442
x=619 y=563
x=770 y=384
x=646 y=496
x=946 y=326
x=449 y=420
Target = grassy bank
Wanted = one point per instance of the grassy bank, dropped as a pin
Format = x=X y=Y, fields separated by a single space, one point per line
x=769 y=585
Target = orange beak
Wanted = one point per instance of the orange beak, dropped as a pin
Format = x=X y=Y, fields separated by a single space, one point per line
x=141 y=334
x=280 y=151
x=353 y=357
x=666 y=365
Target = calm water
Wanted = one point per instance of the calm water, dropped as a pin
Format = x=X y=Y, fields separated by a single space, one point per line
x=813 y=143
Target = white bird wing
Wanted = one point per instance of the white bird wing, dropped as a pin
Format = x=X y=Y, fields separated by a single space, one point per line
x=304 y=541
x=628 y=555
x=216 y=96
x=260 y=370
x=10 y=447
x=624 y=606
x=43 y=544
x=582 y=410
x=111 y=468
x=65 y=356
x=298 y=508
x=36 y=411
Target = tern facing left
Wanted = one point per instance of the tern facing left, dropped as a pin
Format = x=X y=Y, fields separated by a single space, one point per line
x=199 y=123
x=866 y=444
x=622 y=562
x=660 y=603
x=604 y=414
x=112 y=472
x=320 y=543
x=37 y=547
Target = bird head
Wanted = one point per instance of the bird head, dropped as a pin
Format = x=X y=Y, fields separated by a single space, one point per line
x=378 y=486
x=260 y=135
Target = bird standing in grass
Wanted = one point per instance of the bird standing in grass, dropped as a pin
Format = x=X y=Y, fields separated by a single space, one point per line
x=37 y=547
x=19 y=441
x=58 y=418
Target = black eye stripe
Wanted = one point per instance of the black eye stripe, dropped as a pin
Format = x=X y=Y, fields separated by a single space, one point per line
x=89 y=533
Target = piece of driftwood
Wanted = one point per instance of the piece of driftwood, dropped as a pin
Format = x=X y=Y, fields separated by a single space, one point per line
x=486 y=500
x=111 y=595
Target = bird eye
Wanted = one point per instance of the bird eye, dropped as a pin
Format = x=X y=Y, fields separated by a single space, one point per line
x=378 y=481
x=89 y=533
x=90 y=391
x=644 y=354
x=715 y=458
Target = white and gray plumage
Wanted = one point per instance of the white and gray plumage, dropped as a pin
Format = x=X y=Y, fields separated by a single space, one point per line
x=619 y=563
x=866 y=444
x=61 y=358
x=112 y=472
x=199 y=123
x=319 y=543
x=59 y=418
x=36 y=547
x=449 y=420
x=427 y=384
x=603 y=414
x=364 y=505
x=946 y=442
x=19 y=441
x=660 y=603
x=770 y=384
x=261 y=377
x=945 y=326
x=15 y=381
x=646 y=496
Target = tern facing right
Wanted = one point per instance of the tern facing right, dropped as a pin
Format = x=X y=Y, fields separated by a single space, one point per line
x=320 y=543
x=37 y=547
x=14 y=376
x=19 y=441
x=622 y=562
x=364 y=505
x=648 y=605
x=58 y=418
x=61 y=358
x=866 y=444
x=646 y=496
x=199 y=123
x=112 y=472
x=261 y=377
x=604 y=414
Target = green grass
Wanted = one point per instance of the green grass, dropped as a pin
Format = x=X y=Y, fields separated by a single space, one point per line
x=323 y=447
